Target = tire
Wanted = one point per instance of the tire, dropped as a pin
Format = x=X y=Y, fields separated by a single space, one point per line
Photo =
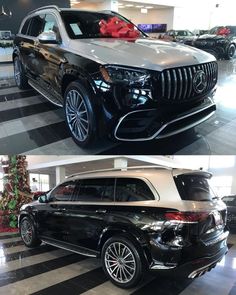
x=30 y=238
x=19 y=74
x=110 y=266
x=82 y=127
x=230 y=52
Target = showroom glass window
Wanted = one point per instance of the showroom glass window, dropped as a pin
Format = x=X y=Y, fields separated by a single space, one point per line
x=63 y=192
x=95 y=190
x=132 y=190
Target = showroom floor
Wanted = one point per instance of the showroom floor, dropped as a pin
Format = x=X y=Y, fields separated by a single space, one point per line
x=29 y=124
x=49 y=270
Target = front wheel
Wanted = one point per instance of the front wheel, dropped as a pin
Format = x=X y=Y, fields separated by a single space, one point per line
x=80 y=114
x=28 y=233
x=121 y=261
x=230 y=51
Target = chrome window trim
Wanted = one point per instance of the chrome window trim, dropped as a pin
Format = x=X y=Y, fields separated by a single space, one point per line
x=147 y=182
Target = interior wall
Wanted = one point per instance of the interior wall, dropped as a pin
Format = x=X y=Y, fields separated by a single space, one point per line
x=20 y=8
x=154 y=16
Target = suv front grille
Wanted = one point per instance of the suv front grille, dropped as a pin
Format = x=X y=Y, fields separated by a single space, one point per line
x=177 y=84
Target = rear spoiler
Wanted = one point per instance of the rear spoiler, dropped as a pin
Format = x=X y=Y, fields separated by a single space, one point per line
x=206 y=174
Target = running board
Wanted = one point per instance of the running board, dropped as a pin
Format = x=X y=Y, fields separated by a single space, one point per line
x=44 y=93
x=70 y=247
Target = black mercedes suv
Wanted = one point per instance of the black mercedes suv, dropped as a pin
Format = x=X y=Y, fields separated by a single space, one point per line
x=110 y=77
x=138 y=219
x=220 y=41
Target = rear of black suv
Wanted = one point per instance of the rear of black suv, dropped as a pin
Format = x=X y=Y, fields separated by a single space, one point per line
x=160 y=220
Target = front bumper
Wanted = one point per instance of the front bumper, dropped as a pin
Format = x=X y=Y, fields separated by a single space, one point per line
x=148 y=124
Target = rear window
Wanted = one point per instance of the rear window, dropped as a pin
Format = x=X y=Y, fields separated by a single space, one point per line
x=194 y=188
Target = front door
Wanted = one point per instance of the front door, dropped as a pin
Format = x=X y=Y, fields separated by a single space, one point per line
x=52 y=217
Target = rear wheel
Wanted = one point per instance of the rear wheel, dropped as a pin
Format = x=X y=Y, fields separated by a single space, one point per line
x=121 y=261
x=19 y=74
x=230 y=51
x=80 y=114
x=28 y=233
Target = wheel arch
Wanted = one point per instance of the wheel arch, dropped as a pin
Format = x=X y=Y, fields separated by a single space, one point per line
x=71 y=75
x=135 y=236
x=26 y=214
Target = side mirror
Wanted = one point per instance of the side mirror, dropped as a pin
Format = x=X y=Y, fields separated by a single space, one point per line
x=48 y=38
x=43 y=199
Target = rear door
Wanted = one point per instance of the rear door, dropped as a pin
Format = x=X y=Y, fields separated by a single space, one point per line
x=28 y=42
x=88 y=215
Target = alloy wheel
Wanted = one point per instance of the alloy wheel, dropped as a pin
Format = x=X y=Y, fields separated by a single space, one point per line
x=120 y=262
x=231 y=51
x=77 y=115
x=26 y=231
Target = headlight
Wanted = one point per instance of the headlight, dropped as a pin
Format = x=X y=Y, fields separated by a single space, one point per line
x=113 y=74
x=221 y=41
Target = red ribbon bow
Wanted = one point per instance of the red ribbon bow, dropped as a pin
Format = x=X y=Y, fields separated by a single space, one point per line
x=117 y=28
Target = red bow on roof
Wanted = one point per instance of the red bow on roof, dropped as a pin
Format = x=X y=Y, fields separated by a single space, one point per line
x=117 y=28
x=223 y=31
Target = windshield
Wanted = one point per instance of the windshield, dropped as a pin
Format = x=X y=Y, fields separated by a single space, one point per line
x=183 y=33
x=230 y=200
x=215 y=30
x=86 y=24
x=194 y=188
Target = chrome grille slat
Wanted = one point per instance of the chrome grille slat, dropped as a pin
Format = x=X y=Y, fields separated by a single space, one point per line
x=177 y=84
x=185 y=87
x=174 y=84
x=180 y=83
x=168 y=84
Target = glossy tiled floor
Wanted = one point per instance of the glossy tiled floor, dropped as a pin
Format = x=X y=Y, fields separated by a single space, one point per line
x=47 y=271
x=29 y=124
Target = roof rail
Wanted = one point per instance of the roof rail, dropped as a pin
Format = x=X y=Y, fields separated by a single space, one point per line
x=119 y=169
x=45 y=7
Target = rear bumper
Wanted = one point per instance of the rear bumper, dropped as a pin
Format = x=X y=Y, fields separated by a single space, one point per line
x=145 y=125
x=197 y=266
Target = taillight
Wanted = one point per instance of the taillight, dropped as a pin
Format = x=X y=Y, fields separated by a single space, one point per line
x=188 y=217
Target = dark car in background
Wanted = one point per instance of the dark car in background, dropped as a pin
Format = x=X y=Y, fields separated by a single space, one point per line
x=178 y=36
x=221 y=42
x=230 y=202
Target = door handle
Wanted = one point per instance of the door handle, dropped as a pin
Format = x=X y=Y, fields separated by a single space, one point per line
x=100 y=211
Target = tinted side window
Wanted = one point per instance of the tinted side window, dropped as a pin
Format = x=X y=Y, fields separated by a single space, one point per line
x=95 y=190
x=132 y=190
x=25 y=27
x=36 y=25
x=63 y=192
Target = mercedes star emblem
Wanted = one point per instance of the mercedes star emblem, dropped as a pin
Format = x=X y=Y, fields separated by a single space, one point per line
x=199 y=82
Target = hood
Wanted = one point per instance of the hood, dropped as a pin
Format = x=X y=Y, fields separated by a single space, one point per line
x=143 y=53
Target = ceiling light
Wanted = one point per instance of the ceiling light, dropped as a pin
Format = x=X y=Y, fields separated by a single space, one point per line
x=149 y=7
x=144 y=10
x=121 y=6
x=139 y=6
x=129 y=5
